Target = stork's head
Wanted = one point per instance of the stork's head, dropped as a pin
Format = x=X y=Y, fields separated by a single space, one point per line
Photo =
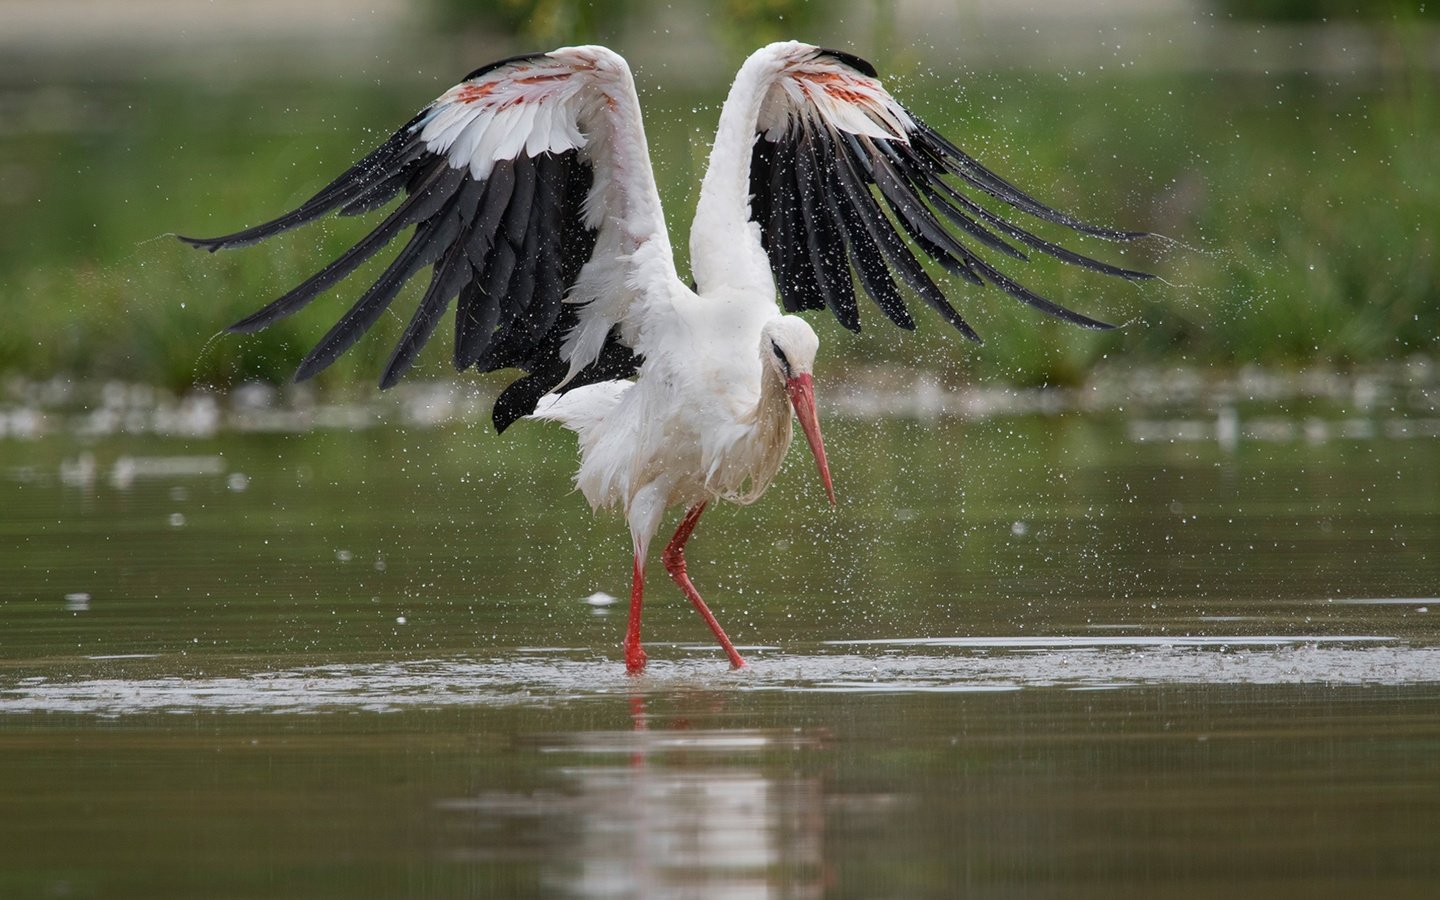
x=787 y=348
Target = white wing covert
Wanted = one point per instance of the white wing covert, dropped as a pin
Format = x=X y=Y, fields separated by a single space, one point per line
x=827 y=133
x=528 y=190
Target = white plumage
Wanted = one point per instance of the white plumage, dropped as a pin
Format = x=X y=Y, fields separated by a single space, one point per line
x=531 y=196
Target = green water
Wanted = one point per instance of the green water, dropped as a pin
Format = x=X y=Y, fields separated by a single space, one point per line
x=1067 y=655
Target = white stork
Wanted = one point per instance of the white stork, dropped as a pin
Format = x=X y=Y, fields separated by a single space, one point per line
x=529 y=193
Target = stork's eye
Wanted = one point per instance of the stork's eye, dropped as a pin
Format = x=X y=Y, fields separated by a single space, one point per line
x=780 y=355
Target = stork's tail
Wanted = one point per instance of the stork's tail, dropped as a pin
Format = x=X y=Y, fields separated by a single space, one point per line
x=581 y=409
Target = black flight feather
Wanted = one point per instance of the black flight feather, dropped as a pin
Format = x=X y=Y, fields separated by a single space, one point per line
x=825 y=245
x=350 y=187
x=509 y=246
x=865 y=251
x=829 y=201
x=963 y=165
x=923 y=177
x=797 y=280
x=477 y=312
x=853 y=182
x=419 y=206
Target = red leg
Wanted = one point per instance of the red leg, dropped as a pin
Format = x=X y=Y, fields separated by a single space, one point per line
x=634 y=653
x=675 y=565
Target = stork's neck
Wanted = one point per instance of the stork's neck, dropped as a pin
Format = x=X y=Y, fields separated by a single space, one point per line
x=772 y=409
x=725 y=248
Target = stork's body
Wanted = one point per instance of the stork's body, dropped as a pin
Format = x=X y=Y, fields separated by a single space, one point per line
x=530 y=193
x=707 y=417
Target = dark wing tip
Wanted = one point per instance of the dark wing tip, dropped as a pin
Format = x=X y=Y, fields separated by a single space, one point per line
x=965 y=328
x=515 y=402
x=862 y=66
x=249 y=325
x=210 y=244
x=313 y=364
x=392 y=376
x=1085 y=321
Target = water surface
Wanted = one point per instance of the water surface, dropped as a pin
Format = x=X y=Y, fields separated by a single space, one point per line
x=1057 y=654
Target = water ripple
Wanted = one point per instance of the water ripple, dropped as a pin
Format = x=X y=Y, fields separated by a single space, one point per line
x=897 y=666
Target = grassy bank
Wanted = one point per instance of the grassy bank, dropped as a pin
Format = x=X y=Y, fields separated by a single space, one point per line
x=1301 y=215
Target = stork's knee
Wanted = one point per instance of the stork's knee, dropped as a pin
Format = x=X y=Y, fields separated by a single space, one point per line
x=675 y=562
x=674 y=559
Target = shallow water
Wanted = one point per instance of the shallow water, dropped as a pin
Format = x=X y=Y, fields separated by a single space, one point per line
x=1029 y=655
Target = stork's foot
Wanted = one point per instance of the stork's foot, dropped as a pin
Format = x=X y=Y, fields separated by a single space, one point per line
x=634 y=659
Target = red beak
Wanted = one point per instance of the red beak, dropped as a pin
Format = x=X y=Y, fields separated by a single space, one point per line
x=801 y=389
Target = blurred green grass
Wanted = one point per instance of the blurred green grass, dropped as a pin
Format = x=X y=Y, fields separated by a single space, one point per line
x=1301 y=217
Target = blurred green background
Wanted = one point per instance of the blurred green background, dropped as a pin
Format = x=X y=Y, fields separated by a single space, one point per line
x=1284 y=149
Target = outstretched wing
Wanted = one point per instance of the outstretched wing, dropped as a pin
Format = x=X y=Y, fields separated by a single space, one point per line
x=512 y=180
x=830 y=138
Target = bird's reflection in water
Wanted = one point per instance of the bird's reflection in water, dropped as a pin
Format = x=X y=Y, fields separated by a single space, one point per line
x=666 y=810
